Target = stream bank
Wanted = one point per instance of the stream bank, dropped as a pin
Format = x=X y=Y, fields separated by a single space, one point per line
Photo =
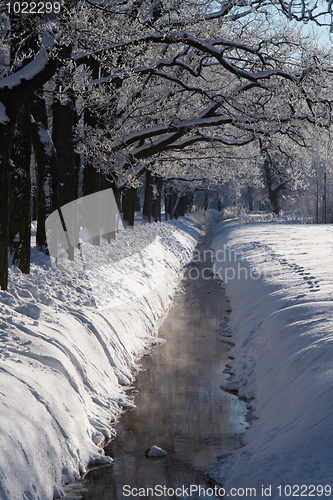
x=180 y=406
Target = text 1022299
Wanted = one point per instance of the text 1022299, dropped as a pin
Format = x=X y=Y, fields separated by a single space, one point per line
x=33 y=7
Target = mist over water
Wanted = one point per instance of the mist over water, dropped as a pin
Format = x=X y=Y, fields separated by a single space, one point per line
x=180 y=406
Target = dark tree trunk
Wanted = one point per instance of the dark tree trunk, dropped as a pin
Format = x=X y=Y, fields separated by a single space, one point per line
x=180 y=209
x=148 y=200
x=92 y=180
x=108 y=184
x=166 y=206
x=152 y=203
x=129 y=206
x=20 y=181
x=205 y=203
x=11 y=101
x=175 y=212
x=272 y=192
x=46 y=170
x=68 y=173
x=20 y=193
x=275 y=202
x=157 y=201
x=190 y=201
x=7 y=133
x=77 y=162
x=137 y=204
x=250 y=198
x=92 y=183
x=170 y=202
x=62 y=135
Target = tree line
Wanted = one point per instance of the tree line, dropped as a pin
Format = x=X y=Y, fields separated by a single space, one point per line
x=172 y=92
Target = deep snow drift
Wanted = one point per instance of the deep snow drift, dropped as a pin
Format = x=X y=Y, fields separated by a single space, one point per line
x=279 y=279
x=69 y=342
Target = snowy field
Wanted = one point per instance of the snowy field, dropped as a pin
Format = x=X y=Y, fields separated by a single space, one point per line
x=70 y=342
x=279 y=279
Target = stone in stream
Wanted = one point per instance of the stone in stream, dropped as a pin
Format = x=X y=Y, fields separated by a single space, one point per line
x=154 y=452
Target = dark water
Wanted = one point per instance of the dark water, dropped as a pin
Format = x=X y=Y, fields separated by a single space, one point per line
x=179 y=407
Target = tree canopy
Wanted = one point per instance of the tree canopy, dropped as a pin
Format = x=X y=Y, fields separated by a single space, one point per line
x=184 y=89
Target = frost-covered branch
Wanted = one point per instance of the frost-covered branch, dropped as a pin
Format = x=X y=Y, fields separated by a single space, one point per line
x=189 y=141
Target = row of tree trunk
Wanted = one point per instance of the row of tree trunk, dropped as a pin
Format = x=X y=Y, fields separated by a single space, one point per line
x=176 y=205
x=47 y=135
x=57 y=177
x=57 y=173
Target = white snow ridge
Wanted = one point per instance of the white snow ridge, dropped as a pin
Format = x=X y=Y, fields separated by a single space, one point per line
x=63 y=362
x=64 y=358
x=282 y=326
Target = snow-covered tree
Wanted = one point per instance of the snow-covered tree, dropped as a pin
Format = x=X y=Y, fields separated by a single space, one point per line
x=148 y=83
x=192 y=89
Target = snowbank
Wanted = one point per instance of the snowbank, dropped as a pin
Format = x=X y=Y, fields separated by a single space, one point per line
x=279 y=278
x=63 y=360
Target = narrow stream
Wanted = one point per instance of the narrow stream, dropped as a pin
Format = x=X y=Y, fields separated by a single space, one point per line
x=180 y=406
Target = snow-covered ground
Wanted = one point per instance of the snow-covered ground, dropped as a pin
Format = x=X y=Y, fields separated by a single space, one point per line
x=70 y=337
x=279 y=278
x=69 y=344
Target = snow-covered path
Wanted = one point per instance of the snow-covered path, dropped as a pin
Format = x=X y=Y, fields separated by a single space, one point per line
x=279 y=278
x=64 y=358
